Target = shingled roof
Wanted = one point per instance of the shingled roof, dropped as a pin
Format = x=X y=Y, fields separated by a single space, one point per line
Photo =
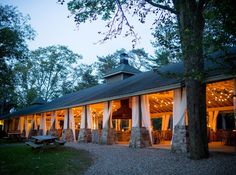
x=166 y=78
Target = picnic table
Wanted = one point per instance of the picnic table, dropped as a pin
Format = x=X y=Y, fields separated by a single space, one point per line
x=44 y=141
x=14 y=135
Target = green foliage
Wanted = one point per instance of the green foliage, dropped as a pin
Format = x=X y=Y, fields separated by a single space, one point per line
x=86 y=78
x=90 y=9
x=14 y=33
x=45 y=73
x=137 y=58
x=220 y=26
x=219 y=32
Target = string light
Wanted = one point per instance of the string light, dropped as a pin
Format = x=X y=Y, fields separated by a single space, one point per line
x=220 y=95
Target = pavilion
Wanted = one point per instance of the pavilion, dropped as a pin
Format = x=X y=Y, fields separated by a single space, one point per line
x=134 y=107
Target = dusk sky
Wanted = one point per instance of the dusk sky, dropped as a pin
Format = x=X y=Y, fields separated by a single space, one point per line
x=49 y=19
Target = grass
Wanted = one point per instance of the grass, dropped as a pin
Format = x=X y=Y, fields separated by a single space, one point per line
x=21 y=159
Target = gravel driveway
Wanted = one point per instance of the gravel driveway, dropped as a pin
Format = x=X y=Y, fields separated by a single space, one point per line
x=121 y=160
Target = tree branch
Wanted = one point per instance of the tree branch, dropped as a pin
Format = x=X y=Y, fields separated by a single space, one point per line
x=161 y=6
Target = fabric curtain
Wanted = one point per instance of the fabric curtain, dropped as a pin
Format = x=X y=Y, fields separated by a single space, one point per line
x=66 y=120
x=89 y=117
x=56 y=120
x=215 y=120
x=146 y=114
x=32 y=123
x=179 y=107
x=72 y=122
x=52 y=120
x=26 y=127
x=210 y=119
x=135 y=111
x=165 y=122
x=146 y=122
x=82 y=122
x=107 y=115
x=43 y=123
x=21 y=124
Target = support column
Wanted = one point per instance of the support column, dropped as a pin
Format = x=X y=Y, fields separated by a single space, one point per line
x=21 y=124
x=42 y=128
x=31 y=127
x=26 y=127
x=179 y=138
x=141 y=126
x=53 y=130
x=85 y=126
x=67 y=133
x=107 y=129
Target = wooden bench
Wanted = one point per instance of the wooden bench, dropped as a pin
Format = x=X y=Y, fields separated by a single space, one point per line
x=34 y=145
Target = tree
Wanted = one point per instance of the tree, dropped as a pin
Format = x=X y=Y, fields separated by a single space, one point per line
x=219 y=33
x=14 y=33
x=45 y=73
x=15 y=30
x=137 y=58
x=86 y=78
x=191 y=22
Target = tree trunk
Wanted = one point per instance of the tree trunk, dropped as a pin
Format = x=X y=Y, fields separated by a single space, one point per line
x=191 y=25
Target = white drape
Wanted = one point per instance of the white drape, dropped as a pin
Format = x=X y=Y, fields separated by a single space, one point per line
x=56 y=121
x=82 y=122
x=32 y=123
x=213 y=119
x=135 y=111
x=43 y=123
x=66 y=120
x=26 y=127
x=72 y=122
x=146 y=122
x=52 y=120
x=165 y=122
x=89 y=117
x=146 y=114
x=107 y=114
x=21 y=124
x=179 y=107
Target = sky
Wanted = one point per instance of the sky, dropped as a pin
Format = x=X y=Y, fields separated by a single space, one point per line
x=52 y=25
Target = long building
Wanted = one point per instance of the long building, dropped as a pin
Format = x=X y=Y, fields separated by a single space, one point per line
x=137 y=108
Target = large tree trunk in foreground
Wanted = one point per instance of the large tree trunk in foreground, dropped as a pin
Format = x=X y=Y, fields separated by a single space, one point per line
x=191 y=25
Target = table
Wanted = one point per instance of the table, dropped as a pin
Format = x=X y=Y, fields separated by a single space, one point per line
x=45 y=139
x=14 y=135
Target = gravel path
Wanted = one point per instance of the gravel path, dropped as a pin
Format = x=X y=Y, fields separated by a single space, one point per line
x=121 y=160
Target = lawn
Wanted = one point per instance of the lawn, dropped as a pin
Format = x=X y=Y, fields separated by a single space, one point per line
x=21 y=159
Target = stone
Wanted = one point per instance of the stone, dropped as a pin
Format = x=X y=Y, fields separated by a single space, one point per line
x=140 y=138
x=96 y=136
x=85 y=136
x=67 y=135
x=179 y=140
x=108 y=136
x=53 y=132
